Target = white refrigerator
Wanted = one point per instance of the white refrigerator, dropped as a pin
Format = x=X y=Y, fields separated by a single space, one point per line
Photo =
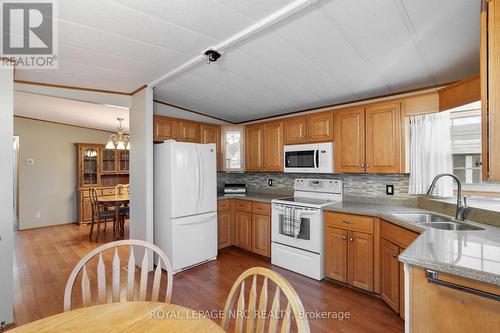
x=185 y=202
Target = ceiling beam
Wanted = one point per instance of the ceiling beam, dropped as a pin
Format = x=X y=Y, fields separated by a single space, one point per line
x=237 y=38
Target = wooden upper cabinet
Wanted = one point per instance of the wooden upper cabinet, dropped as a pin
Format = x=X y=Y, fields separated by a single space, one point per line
x=309 y=129
x=164 y=128
x=272 y=146
x=212 y=134
x=383 y=138
x=253 y=147
x=320 y=127
x=295 y=131
x=349 y=148
x=188 y=131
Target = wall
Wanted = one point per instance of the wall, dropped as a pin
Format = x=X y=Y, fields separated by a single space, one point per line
x=6 y=193
x=354 y=184
x=48 y=186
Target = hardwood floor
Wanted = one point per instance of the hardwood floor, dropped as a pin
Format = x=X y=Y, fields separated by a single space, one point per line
x=45 y=257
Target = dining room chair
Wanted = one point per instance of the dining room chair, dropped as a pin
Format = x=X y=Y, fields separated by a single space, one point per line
x=254 y=319
x=99 y=213
x=111 y=294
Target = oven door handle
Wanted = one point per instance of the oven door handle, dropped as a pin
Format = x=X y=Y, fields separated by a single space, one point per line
x=303 y=211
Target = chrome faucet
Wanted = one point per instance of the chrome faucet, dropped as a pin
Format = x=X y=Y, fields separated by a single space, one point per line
x=461 y=205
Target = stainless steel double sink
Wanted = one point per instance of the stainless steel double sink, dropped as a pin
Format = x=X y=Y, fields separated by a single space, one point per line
x=437 y=221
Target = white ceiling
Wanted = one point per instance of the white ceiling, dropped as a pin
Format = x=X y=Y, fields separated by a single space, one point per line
x=71 y=112
x=334 y=51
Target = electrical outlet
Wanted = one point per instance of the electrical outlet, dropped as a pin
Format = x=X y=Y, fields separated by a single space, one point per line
x=389 y=189
x=269 y=182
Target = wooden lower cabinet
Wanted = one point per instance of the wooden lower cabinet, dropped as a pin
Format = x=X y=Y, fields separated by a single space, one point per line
x=360 y=260
x=390 y=271
x=223 y=230
x=245 y=224
x=336 y=253
x=436 y=308
x=261 y=235
x=349 y=254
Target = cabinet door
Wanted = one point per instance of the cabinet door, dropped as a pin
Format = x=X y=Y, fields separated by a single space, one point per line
x=89 y=165
x=273 y=146
x=295 y=131
x=243 y=230
x=86 y=210
x=360 y=261
x=261 y=235
x=383 y=138
x=336 y=253
x=253 y=147
x=108 y=160
x=164 y=129
x=223 y=231
x=349 y=147
x=124 y=160
x=188 y=131
x=389 y=289
x=320 y=127
x=211 y=134
x=401 y=288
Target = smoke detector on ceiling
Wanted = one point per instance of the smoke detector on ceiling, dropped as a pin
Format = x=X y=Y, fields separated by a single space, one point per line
x=212 y=55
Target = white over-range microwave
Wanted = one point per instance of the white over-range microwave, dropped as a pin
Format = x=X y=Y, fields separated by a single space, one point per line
x=309 y=158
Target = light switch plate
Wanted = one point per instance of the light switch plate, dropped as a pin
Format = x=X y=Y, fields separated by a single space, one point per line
x=30 y=161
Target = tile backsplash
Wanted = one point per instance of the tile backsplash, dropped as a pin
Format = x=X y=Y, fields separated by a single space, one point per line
x=354 y=184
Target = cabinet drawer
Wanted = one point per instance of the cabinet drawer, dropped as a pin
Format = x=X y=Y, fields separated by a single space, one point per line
x=108 y=191
x=398 y=235
x=261 y=208
x=243 y=205
x=223 y=205
x=350 y=222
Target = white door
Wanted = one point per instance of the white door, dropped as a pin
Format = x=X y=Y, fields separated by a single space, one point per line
x=185 y=179
x=195 y=240
x=207 y=201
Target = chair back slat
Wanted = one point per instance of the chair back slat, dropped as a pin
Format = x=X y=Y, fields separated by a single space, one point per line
x=262 y=307
x=119 y=189
x=94 y=203
x=144 y=276
x=82 y=267
x=85 y=287
x=294 y=308
x=286 y=325
x=131 y=275
x=273 y=322
x=116 y=276
x=155 y=293
x=101 y=280
x=252 y=303
x=240 y=309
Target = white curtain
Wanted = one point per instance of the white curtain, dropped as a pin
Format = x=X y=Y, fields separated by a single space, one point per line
x=430 y=153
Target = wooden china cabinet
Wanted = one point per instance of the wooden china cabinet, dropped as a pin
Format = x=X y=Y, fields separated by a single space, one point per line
x=100 y=168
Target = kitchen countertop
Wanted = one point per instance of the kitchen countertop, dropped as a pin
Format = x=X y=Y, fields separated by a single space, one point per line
x=252 y=196
x=469 y=254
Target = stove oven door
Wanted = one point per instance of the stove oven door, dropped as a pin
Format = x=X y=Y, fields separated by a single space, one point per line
x=310 y=237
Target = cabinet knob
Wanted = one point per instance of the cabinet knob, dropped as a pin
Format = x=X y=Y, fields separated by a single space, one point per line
x=350 y=239
x=362 y=165
x=368 y=165
x=344 y=237
x=310 y=135
x=394 y=255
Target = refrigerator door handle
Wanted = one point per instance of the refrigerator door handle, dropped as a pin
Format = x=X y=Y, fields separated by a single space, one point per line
x=198 y=178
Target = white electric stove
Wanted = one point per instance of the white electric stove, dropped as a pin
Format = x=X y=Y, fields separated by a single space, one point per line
x=303 y=254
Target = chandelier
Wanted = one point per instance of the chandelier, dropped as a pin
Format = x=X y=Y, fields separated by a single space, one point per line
x=119 y=140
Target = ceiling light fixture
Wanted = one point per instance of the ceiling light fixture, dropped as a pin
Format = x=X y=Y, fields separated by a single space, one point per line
x=119 y=140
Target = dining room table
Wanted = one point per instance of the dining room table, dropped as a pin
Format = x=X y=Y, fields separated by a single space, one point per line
x=125 y=317
x=117 y=200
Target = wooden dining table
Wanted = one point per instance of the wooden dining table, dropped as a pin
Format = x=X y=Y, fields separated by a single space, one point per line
x=125 y=317
x=117 y=200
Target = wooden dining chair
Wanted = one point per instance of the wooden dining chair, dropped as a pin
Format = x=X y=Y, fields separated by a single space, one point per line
x=99 y=213
x=111 y=294
x=119 y=188
x=255 y=322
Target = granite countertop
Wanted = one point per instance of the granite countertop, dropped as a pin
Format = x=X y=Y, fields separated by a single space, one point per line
x=252 y=196
x=469 y=254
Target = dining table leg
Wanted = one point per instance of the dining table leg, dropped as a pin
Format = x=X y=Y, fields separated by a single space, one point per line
x=117 y=218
